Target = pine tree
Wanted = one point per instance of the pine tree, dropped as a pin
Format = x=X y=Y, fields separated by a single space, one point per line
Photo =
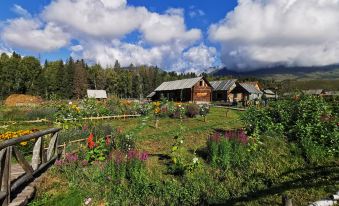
x=79 y=80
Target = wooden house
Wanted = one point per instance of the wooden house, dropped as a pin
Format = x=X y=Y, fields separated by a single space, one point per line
x=222 y=90
x=97 y=94
x=245 y=92
x=197 y=90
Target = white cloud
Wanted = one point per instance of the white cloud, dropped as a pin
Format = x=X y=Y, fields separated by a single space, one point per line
x=21 y=11
x=194 y=12
x=261 y=33
x=172 y=57
x=100 y=27
x=198 y=59
x=160 y=29
x=33 y=35
x=94 y=18
x=4 y=49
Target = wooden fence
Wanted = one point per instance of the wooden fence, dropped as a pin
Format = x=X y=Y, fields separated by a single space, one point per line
x=41 y=159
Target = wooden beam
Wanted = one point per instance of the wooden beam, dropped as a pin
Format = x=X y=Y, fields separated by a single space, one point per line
x=27 y=178
x=22 y=161
x=24 y=138
x=52 y=146
x=37 y=154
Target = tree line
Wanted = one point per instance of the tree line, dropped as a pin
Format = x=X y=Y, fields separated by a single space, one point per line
x=71 y=79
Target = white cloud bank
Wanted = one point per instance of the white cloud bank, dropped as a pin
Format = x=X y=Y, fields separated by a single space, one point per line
x=100 y=28
x=260 y=33
x=33 y=35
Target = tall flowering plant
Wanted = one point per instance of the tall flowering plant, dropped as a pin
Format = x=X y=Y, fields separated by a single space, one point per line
x=228 y=148
x=97 y=150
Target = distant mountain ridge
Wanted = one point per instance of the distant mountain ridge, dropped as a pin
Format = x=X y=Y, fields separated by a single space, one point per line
x=330 y=72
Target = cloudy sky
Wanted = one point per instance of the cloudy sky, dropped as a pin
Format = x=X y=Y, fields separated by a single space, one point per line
x=176 y=35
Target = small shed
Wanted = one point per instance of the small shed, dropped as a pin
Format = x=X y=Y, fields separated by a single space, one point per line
x=222 y=90
x=197 y=90
x=97 y=94
x=246 y=91
x=269 y=94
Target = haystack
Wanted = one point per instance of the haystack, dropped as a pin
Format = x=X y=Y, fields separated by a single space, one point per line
x=22 y=100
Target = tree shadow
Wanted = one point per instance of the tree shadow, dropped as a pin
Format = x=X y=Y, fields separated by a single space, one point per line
x=310 y=177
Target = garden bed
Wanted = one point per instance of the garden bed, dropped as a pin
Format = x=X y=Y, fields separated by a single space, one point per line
x=273 y=167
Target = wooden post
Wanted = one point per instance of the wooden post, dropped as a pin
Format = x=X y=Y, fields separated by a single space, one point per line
x=156 y=123
x=52 y=147
x=37 y=154
x=286 y=201
x=5 y=174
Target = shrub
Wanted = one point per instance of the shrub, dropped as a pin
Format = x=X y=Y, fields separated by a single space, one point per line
x=192 y=110
x=309 y=121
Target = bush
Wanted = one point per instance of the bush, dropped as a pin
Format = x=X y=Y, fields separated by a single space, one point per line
x=309 y=121
x=192 y=110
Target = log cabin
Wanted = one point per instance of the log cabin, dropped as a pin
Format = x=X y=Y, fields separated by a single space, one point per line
x=197 y=90
x=222 y=90
x=246 y=92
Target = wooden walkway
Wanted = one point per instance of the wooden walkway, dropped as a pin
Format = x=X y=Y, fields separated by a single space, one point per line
x=18 y=180
x=26 y=193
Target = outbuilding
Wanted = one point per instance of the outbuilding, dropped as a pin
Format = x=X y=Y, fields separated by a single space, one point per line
x=197 y=90
x=97 y=94
x=222 y=90
x=246 y=92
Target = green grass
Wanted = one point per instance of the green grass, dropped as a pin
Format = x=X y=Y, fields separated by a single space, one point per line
x=275 y=169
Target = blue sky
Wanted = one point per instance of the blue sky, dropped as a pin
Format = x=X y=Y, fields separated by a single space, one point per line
x=177 y=35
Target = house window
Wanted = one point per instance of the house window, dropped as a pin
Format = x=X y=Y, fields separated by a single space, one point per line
x=201 y=83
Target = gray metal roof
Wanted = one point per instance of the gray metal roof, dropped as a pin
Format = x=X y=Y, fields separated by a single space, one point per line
x=223 y=85
x=151 y=95
x=250 y=88
x=178 y=84
x=97 y=94
x=268 y=91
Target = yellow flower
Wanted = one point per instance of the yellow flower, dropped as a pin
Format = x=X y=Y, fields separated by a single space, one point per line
x=157 y=104
x=23 y=143
x=157 y=110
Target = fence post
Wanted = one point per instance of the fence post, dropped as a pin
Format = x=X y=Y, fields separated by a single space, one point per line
x=5 y=174
x=37 y=158
x=286 y=201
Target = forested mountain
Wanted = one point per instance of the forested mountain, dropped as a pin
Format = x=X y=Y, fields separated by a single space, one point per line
x=329 y=72
x=70 y=79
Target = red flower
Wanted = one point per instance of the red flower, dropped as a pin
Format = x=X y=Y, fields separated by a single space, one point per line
x=108 y=140
x=90 y=142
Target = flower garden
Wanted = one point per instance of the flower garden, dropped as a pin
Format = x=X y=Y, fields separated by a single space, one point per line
x=186 y=154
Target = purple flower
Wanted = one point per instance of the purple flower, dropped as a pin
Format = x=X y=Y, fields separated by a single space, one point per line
x=132 y=154
x=59 y=163
x=215 y=137
x=242 y=137
x=144 y=156
x=71 y=157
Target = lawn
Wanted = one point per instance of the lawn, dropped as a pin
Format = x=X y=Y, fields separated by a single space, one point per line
x=274 y=169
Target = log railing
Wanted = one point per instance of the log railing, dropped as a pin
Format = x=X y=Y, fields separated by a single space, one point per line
x=40 y=160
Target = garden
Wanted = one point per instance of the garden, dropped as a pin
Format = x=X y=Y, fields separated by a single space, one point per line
x=186 y=154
